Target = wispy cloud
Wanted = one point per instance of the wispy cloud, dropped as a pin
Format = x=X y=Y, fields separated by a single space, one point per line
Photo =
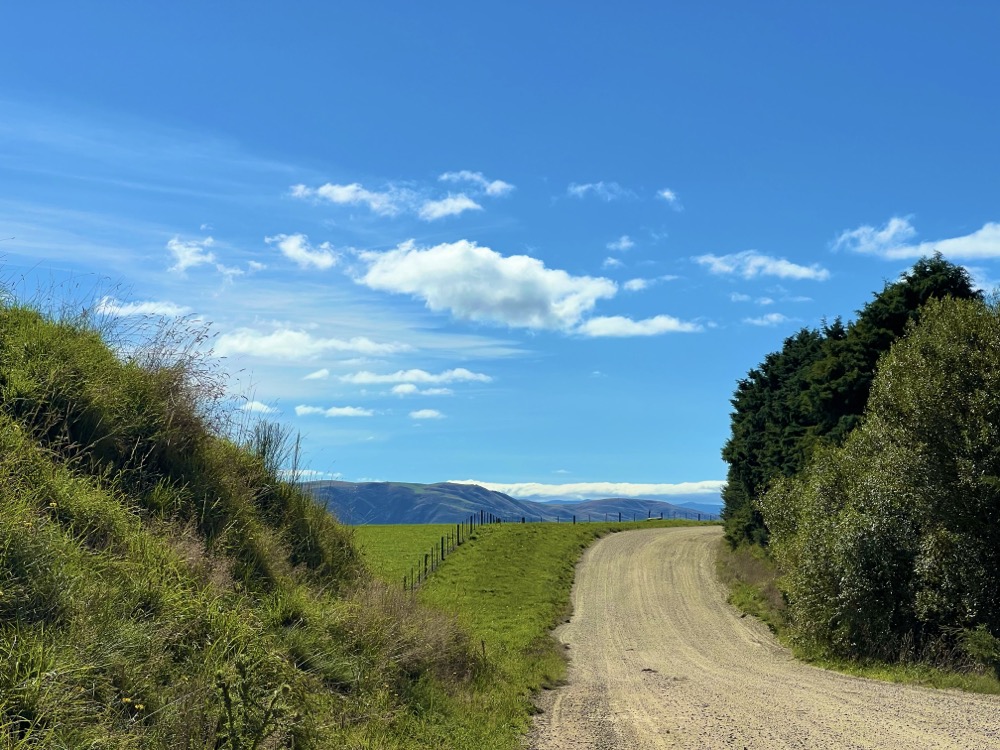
x=891 y=240
x=597 y=490
x=750 y=264
x=458 y=374
x=768 y=321
x=111 y=306
x=608 y=191
x=619 y=326
x=295 y=344
x=612 y=263
x=492 y=188
x=321 y=374
x=190 y=253
x=256 y=407
x=333 y=411
x=388 y=202
x=297 y=249
x=409 y=389
x=453 y=205
x=476 y=283
x=670 y=197
x=622 y=244
x=638 y=285
x=426 y=414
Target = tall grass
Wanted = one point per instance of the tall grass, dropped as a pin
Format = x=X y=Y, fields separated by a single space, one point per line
x=161 y=586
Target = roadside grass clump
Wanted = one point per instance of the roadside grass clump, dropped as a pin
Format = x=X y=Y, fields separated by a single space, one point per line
x=752 y=579
x=162 y=587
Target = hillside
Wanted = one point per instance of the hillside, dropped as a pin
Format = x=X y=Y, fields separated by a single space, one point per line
x=160 y=587
x=444 y=502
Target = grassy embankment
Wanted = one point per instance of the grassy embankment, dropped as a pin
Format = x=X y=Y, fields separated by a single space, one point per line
x=161 y=587
x=754 y=588
x=508 y=587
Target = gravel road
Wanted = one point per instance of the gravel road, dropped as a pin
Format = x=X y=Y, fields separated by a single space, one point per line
x=660 y=660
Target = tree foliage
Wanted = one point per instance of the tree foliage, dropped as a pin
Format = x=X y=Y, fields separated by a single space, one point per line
x=891 y=542
x=813 y=392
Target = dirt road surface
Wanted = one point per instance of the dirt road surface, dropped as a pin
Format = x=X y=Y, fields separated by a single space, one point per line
x=660 y=660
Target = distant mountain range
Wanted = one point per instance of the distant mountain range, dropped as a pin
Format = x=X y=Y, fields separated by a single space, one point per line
x=358 y=503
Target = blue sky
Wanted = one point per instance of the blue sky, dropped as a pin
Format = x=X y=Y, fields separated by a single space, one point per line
x=525 y=244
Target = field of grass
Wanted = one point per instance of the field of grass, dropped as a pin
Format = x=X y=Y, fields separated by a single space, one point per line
x=391 y=551
x=752 y=579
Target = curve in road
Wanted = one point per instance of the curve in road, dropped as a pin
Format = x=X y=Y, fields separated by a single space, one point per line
x=660 y=660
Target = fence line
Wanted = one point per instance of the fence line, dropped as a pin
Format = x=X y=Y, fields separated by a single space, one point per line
x=464 y=530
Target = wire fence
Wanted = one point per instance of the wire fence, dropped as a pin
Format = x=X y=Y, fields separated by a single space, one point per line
x=464 y=530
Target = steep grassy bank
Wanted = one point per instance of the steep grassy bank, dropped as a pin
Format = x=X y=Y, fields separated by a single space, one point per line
x=161 y=587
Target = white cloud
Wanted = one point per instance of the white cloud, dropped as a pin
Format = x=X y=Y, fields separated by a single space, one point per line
x=190 y=253
x=670 y=197
x=459 y=374
x=288 y=343
x=612 y=263
x=739 y=297
x=607 y=191
x=622 y=244
x=490 y=187
x=620 y=326
x=867 y=239
x=253 y=266
x=476 y=283
x=597 y=490
x=409 y=389
x=333 y=411
x=890 y=242
x=322 y=374
x=389 y=202
x=453 y=205
x=750 y=264
x=256 y=407
x=769 y=320
x=426 y=414
x=764 y=301
x=297 y=249
x=111 y=306
x=636 y=285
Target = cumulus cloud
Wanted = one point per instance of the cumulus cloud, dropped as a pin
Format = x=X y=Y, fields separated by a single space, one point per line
x=622 y=244
x=458 y=374
x=750 y=264
x=608 y=191
x=256 y=407
x=769 y=320
x=597 y=490
x=453 y=205
x=321 y=374
x=426 y=414
x=892 y=241
x=333 y=411
x=478 y=284
x=490 y=187
x=636 y=285
x=190 y=253
x=619 y=326
x=111 y=306
x=292 y=344
x=409 y=389
x=670 y=197
x=389 y=202
x=297 y=249
x=612 y=263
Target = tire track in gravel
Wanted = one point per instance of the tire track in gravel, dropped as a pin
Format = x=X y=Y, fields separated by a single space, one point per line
x=660 y=660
